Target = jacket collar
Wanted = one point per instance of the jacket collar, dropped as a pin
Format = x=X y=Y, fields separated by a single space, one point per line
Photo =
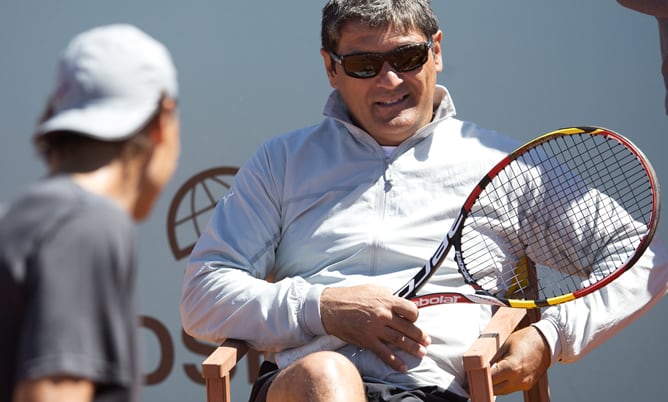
x=444 y=108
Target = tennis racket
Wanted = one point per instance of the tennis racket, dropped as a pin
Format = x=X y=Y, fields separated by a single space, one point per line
x=580 y=202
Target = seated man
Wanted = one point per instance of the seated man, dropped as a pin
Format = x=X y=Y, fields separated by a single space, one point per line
x=322 y=224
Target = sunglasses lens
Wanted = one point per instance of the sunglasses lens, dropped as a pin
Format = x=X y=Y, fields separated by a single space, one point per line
x=362 y=65
x=409 y=58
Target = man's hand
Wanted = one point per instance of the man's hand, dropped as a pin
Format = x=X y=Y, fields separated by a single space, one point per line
x=520 y=362
x=371 y=317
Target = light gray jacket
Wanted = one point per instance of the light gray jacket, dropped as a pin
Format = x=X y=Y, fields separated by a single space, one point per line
x=323 y=206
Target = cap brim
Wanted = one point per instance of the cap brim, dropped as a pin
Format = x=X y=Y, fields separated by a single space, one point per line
x=105 y=120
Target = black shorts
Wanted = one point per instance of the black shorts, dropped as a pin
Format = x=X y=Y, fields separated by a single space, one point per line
x=375 y=392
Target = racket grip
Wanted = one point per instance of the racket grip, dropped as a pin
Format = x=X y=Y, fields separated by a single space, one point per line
x=327 y=342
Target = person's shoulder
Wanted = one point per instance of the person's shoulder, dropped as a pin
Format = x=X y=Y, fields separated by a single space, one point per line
x=102 y=214
x=37 y=211
x=299 y=135
x=40 y=203
x=283 y=146
x=62 y=193
x=98 y=225
x=485 y=138
x=48 y=204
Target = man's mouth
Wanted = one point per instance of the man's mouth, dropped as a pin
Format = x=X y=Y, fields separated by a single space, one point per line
x=392 y=102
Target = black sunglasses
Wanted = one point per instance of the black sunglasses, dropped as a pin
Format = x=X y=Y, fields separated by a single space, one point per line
x=368 y=65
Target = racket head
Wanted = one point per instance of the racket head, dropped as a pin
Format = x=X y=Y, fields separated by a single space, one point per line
x=582 y=202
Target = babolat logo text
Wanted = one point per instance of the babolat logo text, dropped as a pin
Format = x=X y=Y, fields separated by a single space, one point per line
x=436 y=299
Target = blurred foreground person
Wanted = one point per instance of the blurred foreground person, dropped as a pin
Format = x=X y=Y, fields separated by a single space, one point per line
x=110 y=140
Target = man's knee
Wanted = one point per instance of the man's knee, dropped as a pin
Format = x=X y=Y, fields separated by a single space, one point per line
x=320 y=376
x=324 y=369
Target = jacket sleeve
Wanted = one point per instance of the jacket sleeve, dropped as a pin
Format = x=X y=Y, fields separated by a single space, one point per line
x=575 y=328
x=229 y=289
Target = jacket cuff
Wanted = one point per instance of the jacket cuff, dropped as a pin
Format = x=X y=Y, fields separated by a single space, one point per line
x=551 y=335
x=311 y=318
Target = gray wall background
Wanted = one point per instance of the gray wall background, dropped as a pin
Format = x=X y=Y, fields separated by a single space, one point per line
x=521 y=67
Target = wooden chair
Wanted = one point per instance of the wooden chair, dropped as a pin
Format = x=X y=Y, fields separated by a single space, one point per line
x=217 y=366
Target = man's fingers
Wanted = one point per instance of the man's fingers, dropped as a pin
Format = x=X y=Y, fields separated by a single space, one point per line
x=404 y=342
x=406 y=309
x=405 y=328
x=388 y=356
x=501 y=374
x=502 y=388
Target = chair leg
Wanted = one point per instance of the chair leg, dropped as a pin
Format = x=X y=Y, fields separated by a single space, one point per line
x=218 y=389
x=253 y=362
x=480 y=385
x=540 y=392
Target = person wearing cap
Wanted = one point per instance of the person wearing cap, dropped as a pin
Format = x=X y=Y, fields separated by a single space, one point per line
x=110 y=140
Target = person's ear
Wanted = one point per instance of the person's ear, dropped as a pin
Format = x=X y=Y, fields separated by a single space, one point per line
x=166 y=116
x=330 y=68
x=437 y=51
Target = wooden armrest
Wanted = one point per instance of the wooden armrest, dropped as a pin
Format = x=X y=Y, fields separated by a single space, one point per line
x=217 y=366
x=478 y=356
x=224 y=358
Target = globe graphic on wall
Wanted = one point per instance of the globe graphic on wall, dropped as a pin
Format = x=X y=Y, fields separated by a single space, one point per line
x=193 y=205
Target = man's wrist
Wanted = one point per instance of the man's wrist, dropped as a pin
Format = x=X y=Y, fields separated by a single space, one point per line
x=550 y=335
x=312 y=317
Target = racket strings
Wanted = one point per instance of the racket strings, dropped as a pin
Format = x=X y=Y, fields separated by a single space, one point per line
x=602 y=161
x=576 y=204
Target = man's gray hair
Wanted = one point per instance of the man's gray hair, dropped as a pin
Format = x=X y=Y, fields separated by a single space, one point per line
x=402 y=15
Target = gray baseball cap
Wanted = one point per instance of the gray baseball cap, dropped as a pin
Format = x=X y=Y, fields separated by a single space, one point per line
x=109 y=82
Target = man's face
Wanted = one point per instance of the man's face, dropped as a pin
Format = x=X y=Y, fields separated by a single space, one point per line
x=392 y=105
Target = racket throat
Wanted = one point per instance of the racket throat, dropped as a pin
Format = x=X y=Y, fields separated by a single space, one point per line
x=459 y=259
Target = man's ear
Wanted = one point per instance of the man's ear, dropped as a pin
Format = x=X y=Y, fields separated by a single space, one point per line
x=437 y=51
x=330 y=68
